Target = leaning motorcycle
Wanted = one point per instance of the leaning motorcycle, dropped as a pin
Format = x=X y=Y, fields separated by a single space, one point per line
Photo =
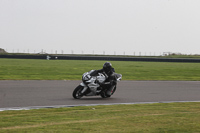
x=92 y=85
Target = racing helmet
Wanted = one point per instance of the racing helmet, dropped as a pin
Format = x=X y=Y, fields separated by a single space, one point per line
x=107 y=67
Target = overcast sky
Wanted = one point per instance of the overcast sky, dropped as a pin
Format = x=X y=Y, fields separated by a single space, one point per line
x=110 y=26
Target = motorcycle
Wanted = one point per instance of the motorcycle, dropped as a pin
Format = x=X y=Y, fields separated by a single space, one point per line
x=92 y=85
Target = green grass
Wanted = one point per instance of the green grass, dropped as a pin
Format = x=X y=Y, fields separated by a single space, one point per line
x=151 y=118
x=32 y=69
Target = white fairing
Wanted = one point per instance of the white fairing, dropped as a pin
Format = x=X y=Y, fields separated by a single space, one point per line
x=86 y=75
x=101 y=78
x=92 y=82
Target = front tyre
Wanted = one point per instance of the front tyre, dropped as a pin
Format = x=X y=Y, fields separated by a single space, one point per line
x=77 y=92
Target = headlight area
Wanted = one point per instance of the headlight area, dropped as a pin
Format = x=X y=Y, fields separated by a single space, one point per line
x=86 y=78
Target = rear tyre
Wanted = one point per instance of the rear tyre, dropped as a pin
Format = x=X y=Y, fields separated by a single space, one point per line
x=104 y=95
x=77 y=92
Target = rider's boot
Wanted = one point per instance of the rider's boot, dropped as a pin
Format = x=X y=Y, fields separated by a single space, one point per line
x=110 y=90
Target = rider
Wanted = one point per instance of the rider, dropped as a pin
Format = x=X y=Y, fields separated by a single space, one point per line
x=108 y=70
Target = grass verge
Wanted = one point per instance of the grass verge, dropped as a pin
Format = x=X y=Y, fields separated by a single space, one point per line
x=153 y=118
x=168 y=117
x=32 y=69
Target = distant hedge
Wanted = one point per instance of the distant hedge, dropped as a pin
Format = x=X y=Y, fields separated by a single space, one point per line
x=107 y=58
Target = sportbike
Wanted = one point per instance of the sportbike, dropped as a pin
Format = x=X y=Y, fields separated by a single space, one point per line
x=96 y=85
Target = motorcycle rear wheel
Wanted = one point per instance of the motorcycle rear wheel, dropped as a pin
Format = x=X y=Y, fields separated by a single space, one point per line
x=105 y=95
x=77 y=92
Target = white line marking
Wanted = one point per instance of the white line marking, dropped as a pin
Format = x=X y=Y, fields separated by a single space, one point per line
x=67 y=106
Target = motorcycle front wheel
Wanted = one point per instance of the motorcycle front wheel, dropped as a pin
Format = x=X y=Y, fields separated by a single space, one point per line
x=77 y=92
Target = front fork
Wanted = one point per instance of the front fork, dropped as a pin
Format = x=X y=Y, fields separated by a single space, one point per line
x=84 y=89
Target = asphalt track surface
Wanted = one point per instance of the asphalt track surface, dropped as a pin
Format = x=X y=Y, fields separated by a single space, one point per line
x=49 y=93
